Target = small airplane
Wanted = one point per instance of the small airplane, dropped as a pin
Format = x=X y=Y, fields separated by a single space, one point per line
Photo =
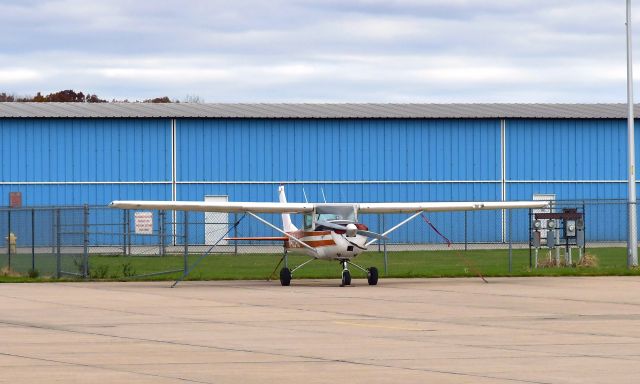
x=331 y=231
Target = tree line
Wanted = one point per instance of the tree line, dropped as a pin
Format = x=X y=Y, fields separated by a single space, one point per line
x=71 y=96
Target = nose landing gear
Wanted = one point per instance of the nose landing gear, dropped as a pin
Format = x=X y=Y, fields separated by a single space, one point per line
x=346 y=275
x=372 y=273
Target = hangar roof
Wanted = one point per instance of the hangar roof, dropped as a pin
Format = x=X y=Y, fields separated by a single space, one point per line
x=312 y=111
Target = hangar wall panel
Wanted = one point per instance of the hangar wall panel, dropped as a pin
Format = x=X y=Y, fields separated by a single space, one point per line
x=337 y=150
x=85 y=150
x=567 y=149
x=79 y=194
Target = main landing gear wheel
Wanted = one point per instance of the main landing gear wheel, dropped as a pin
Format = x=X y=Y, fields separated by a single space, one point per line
x=346 y=277
x=285 y=277
x=372 y=276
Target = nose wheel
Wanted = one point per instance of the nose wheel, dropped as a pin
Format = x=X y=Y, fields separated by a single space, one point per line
x=346 y=275
x=372 y=273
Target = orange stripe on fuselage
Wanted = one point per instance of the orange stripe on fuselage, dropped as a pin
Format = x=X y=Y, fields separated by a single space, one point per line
x=312 y=243
x=301 y=234
x=320 y=243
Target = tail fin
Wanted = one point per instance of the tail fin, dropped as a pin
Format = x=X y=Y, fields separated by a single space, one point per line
x=287 y=225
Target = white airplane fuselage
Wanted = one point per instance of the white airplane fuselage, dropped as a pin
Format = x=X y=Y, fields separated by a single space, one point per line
x=328 y=244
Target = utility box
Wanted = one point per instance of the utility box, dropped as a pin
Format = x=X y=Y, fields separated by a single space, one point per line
x=536 y=239
x=570 y=228
x=551 y=238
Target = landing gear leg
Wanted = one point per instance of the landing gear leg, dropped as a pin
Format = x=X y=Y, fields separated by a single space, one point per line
x=346 y=276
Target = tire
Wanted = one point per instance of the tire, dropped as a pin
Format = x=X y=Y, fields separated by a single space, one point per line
x=346 y=277
x=285 y=277
x=372 y=276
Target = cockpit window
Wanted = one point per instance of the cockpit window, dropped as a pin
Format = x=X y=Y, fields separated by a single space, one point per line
x=308 y=221
x=335 y=212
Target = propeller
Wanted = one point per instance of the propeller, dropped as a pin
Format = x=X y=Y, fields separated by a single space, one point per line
x=351 y=228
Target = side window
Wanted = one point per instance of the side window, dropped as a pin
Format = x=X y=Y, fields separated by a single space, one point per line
x=308 y=222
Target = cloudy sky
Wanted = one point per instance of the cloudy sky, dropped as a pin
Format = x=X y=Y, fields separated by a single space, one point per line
x=319 y=51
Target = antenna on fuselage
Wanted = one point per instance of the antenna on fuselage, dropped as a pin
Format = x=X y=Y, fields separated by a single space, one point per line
x=305 y=195
x=323 y=196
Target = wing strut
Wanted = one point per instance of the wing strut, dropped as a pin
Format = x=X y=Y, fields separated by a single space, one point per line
x=403 y=222
x=265 y=222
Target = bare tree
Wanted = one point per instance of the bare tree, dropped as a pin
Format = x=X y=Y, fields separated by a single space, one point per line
x=193 y=99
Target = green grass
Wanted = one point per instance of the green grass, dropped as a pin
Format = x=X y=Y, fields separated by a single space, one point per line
x=612 y=261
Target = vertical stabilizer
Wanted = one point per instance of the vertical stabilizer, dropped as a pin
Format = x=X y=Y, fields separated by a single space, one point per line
x=287 y=225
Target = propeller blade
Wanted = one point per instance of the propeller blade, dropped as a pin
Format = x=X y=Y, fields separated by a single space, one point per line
x=362 y=232
x=331 y=225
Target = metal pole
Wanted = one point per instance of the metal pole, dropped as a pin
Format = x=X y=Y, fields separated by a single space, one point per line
x=9 y=239
x=58 y=258
x=465 y=231
x=386 y=260
x=161 y=232
x=235 y=234
x=510 y=243
x=380 y=229
x=632 y=243
x=33 y=240
x=53 y=232
x=186 y=242
x=128 y=233
x=531 y=234
x=125 y=213
x=85 y=249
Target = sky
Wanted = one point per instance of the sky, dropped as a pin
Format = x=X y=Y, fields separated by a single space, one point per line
x=408 y=51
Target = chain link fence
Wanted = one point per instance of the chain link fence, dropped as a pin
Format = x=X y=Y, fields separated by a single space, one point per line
x=66 y=241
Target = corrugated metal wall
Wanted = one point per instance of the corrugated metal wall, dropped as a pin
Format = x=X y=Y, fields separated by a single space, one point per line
x=331 y=150
x=94 y=161
x=239 y=156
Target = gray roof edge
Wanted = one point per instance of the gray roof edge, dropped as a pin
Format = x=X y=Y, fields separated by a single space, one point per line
x=317 y=111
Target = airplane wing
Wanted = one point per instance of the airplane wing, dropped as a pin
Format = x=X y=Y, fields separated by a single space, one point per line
x=260 y=207
x=204 y=206
x=447 y=206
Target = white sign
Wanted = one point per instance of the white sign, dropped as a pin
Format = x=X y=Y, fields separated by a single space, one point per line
x=144 y=223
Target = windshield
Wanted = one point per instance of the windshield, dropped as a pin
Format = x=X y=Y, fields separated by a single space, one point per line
x=335 y=212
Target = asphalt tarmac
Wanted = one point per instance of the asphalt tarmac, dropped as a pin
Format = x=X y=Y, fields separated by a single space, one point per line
x=511 y=330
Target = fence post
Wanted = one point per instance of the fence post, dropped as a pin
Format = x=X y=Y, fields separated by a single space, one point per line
x=128 y=233
x=380 y=230
x=465 y=231
x=510 y=243
x=161 y=231
x=186 y=242
x=386 y=260
x=85 y=248
x=33 y=239
x=58 y=258
x=125 y=230
x=235 y=234
x=53 y=231
x=9 y=239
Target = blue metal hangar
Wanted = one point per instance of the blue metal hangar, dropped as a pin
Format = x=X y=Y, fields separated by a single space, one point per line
x=76 y=153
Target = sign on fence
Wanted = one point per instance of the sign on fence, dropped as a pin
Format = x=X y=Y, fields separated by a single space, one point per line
x=15 y=199
x=144 y=223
